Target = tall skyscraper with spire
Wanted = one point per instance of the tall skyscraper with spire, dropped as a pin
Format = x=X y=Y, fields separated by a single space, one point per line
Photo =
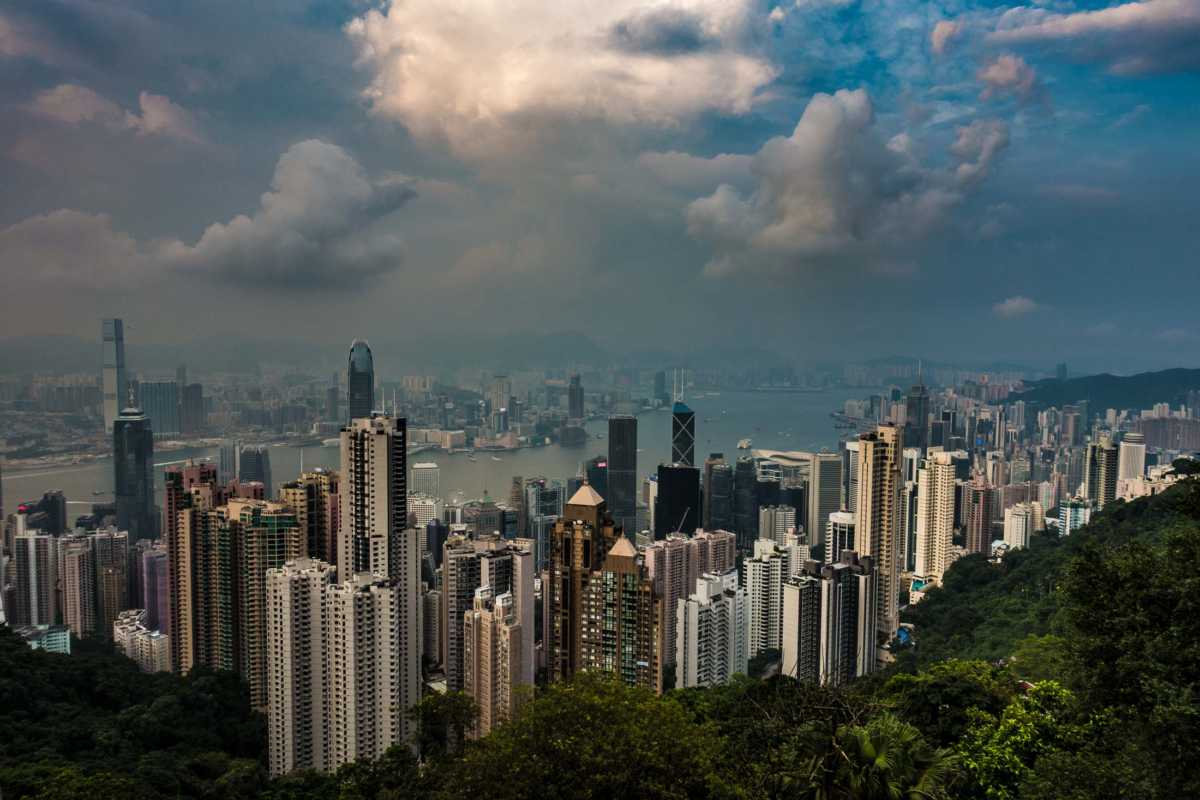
x=133 y=473
x=360 y=380
x=114 y=386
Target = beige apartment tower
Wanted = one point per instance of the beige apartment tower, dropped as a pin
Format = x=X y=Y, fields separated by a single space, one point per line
x=492 y=659
x=878 y=521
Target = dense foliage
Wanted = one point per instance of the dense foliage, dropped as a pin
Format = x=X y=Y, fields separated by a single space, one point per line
x=1070 y=671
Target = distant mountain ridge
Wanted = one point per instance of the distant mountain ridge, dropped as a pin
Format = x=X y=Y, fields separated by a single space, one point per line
x=1114 y=391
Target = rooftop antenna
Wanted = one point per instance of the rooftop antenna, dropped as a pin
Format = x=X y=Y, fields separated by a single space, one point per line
x=920 y=372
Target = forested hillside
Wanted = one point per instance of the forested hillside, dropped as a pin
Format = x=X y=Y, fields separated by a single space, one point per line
x=1069 y=671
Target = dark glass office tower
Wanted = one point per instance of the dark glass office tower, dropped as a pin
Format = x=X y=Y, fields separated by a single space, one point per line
x=360 y=380
x=575 y=398
x=255 y=465
x=596 y=472
x=683 y=435
x=745 y=503
x=916 y=417
x=133 y=466
x=622 y=471
x=718 y=494
x=677 y=506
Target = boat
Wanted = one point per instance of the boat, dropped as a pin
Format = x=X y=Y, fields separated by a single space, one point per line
x=471 y=459
x=97 y=493
x=494 y=458
x=743 y=444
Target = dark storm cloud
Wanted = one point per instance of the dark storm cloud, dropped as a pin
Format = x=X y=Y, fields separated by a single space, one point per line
x=663 y=31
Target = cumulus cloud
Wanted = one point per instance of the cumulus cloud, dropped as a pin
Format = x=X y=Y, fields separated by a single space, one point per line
x=686 y=171
x=485 y=77
x=836 y=188
x=72 y=104
x=943 y=33
x=1131 y=38
x=317 y=228
x=1009 y=75
x=1016 y=306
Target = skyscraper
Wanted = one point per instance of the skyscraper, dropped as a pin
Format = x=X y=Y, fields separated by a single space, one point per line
x=116 y=392
x=254 y=465
x=765 y=574
x=575 y=409
x=712 y=629
x=619 y=618
x=133 y=478
x=878 y=521
x=935 y=516
x=622 y=471
x=916 y=416
x=717 y=496
x=580 y=539
x=1100 y=471
x=745 y=503
x=775 y=522
x=829 y=621
x=824 y=496
x=677 y=505
x=374 y=498
x=313 y=499
x=426 y=479
x=160 y=401
x=683 y=434
x=493 y=668
x=1132 y=459
x=360 y=380
x=298 y=695
x=981 y=505
x=36 y=571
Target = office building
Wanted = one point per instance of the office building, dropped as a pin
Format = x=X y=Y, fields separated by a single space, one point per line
x=229 y=460
x=254 y=466
x=1132 y=458
x=578 y=544
x=745 y=502
x=878 y=521
x=712 y=631
x=677 y=504
x=596 y=473
x=192 y=416
x=717 y=494
x=160 y=402
x=619 y=619
x=683 y=435
x=360 y=380
x=622 y=471
x=824 y=496
x=765 y=573
x=313 y=500
x=133 y=474
x=829 y=635
x=333 y=405
x=115 y=388
x=426 y=479
x=575 y=409
x=935 y=516
x=494 y=670
x=916 y=417
x=775 y=523
x=373 y=494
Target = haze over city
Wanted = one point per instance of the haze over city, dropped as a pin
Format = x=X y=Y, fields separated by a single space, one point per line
x=644 y=399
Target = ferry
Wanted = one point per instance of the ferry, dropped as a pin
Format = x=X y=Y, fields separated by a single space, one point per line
x=743 y=444
x=494 y=458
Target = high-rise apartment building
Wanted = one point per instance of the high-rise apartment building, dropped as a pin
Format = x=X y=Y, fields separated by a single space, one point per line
x=297 y=682
x=374 y=498
x=578 y=544
x=981 y=512
x=1073 y=515
x=670 y=564
x=146 y=647
x=619 y=619
x=115 y=388
x=313 y=499
x=110 y=570
x=36 y=573
x=878 y=521
x=494 y=669
x=77 y=579
x=712 y=631
x=155 y=575
x=839 y=535
x=622 y=471
x=1100 y=471
x=1132 y=458
x=765 y=574
x=360 y=380
x=683 y=434
x=935 y=516
x=829 y=615
x=133 y=474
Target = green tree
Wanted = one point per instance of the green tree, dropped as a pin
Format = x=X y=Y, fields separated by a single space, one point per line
x=938 y=700
x=443 y=721
x=887 y=759
x=1041 y=658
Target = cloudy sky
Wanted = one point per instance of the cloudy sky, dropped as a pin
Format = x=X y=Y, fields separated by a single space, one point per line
x=824 y=178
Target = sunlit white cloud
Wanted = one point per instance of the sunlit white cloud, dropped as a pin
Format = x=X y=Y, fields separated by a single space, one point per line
x=484 y=76
x=1017 y=306
x=73 y=104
